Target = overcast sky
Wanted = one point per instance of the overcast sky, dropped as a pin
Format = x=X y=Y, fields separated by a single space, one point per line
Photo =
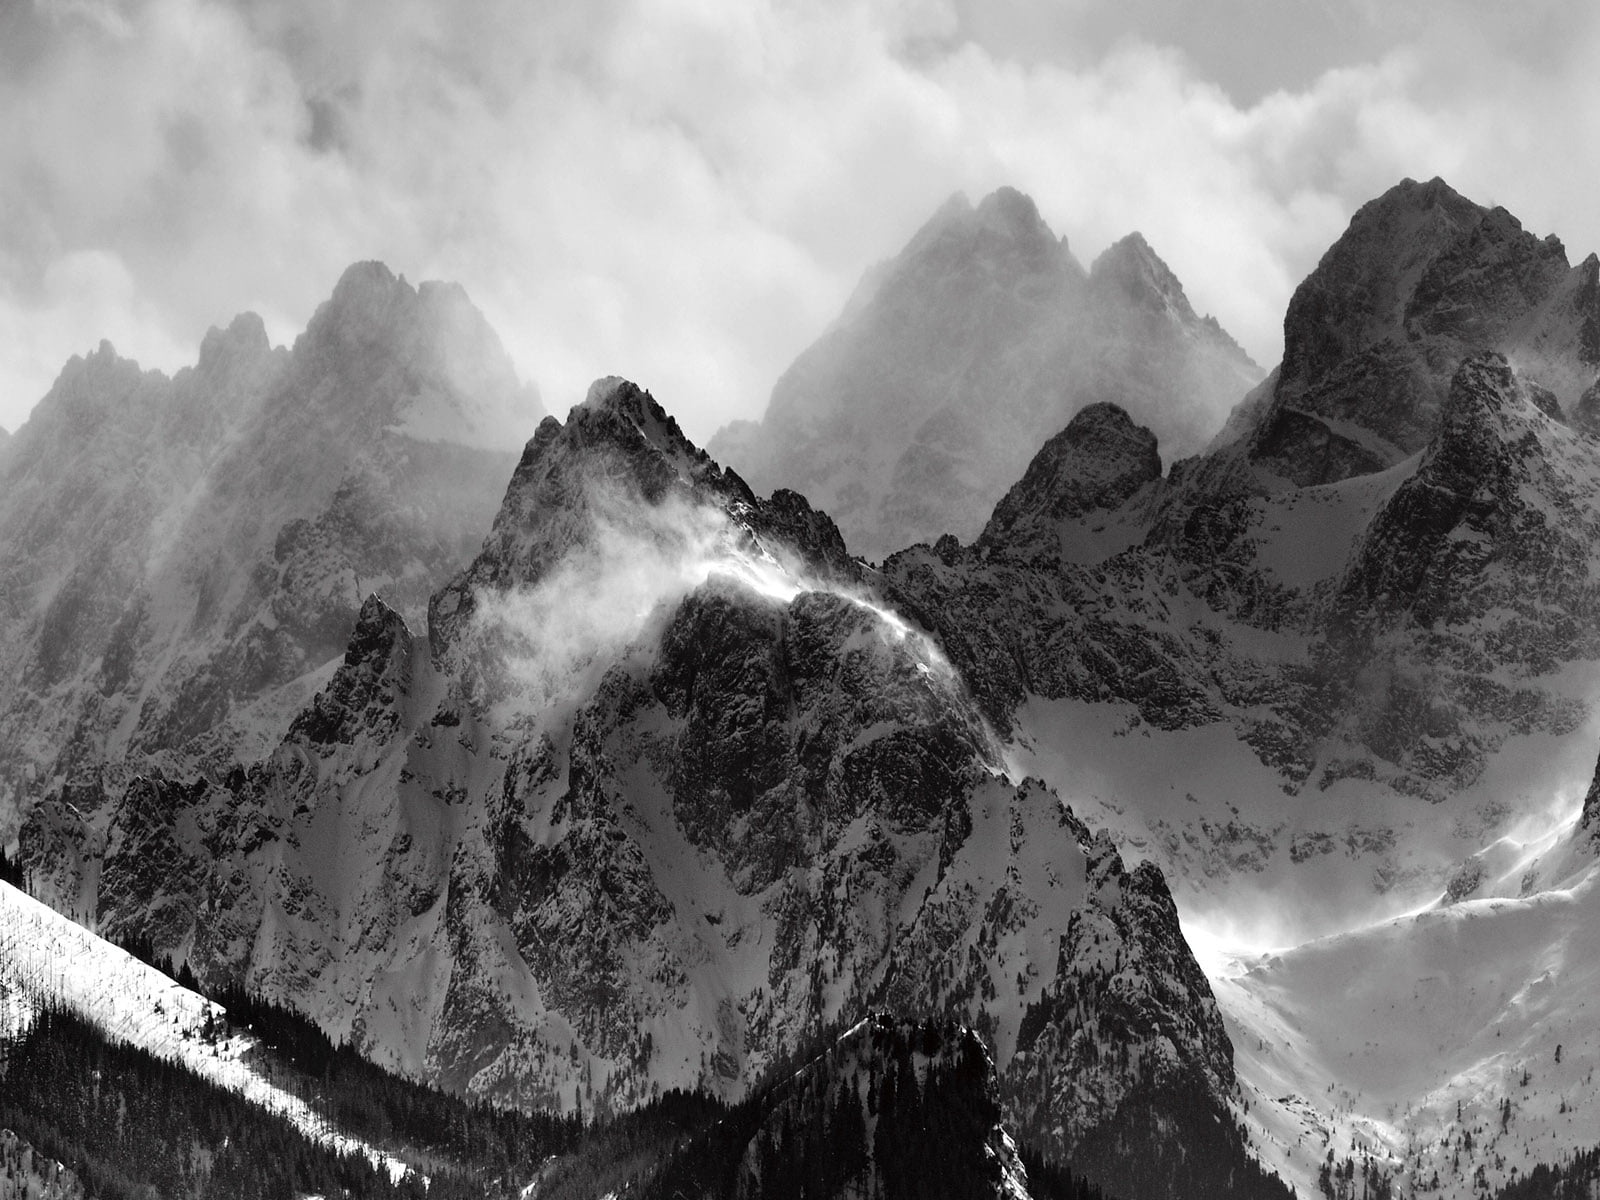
x=685 y=191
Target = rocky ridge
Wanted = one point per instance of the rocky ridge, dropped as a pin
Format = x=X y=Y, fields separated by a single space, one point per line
x=762 y=810
x=1421 y=279
x=185 y=556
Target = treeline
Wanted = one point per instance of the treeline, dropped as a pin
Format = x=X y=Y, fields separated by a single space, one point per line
x=1050 y=1180
x=133 y=1126
x=366 y=1101
x=1338 y=1180
x=615 y=1156
x=1176 y=1141
x=1573 y=1180
x=916 y=1119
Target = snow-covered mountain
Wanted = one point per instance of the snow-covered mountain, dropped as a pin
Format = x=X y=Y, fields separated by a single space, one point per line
x=1454 y=1047
x=668 y=782
x=184 y=557
x=953 y=361
x=663 y=790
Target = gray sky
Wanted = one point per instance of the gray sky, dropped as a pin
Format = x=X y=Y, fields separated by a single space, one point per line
x=685 y=191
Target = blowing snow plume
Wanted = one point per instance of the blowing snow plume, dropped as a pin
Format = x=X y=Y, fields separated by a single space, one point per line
x=609 y=521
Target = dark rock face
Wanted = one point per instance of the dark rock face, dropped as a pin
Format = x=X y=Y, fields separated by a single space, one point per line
x=1590 y=820
x=1423 y=653
x=1422 y=279
x=767 y=810
x=1437 y=598
x=1097 y=462
x=956 y=359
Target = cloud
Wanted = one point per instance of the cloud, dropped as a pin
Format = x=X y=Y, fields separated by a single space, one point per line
x=685 y=191
x=539 y=648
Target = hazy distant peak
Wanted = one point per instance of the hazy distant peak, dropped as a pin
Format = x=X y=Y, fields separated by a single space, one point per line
x=464 y=388
x=1005 y=220
x=363 y=306
x=367 y=278
x=245 y=338
x=101 y=372
x=1013 y=214
x=950 y=215
x=1138 y=272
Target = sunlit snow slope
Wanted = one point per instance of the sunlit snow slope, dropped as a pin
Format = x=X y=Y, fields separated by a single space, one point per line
x=45 y=958
x=1456 y=1043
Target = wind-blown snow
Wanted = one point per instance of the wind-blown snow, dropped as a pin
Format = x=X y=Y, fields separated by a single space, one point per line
x=1457 y=1040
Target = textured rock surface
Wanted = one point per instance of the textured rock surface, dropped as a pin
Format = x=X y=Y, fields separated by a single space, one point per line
x=184 y=557
x=1421 y=279
x=955 y=360
x=671 y=781
x=661 y=857
x=1099 y=461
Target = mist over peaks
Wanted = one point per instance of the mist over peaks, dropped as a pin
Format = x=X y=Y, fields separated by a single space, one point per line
x=956 y=359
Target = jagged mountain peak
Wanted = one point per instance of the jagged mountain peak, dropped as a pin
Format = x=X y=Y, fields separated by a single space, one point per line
x=1013 y=214
x=1359 y=290
x=1005 y=213
x=1138 y=274
x=958 y=357
x=1421 y=279
x=1099 y=460
x=371 y=305
x=620 y=469
x=446 y=375
x=614 y=400
x=1000 y=235
x=245 y=336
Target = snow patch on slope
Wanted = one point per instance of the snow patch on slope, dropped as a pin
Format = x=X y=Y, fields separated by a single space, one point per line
x=44 y=957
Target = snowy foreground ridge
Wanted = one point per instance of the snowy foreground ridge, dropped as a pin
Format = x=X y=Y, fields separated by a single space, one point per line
x=46 y=957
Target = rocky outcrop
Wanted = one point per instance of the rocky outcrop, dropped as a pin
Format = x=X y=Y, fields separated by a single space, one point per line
x=956 y=359
x=1589 y=818
x=1422 y=279
x=1436 y=640
x=1096 y=463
